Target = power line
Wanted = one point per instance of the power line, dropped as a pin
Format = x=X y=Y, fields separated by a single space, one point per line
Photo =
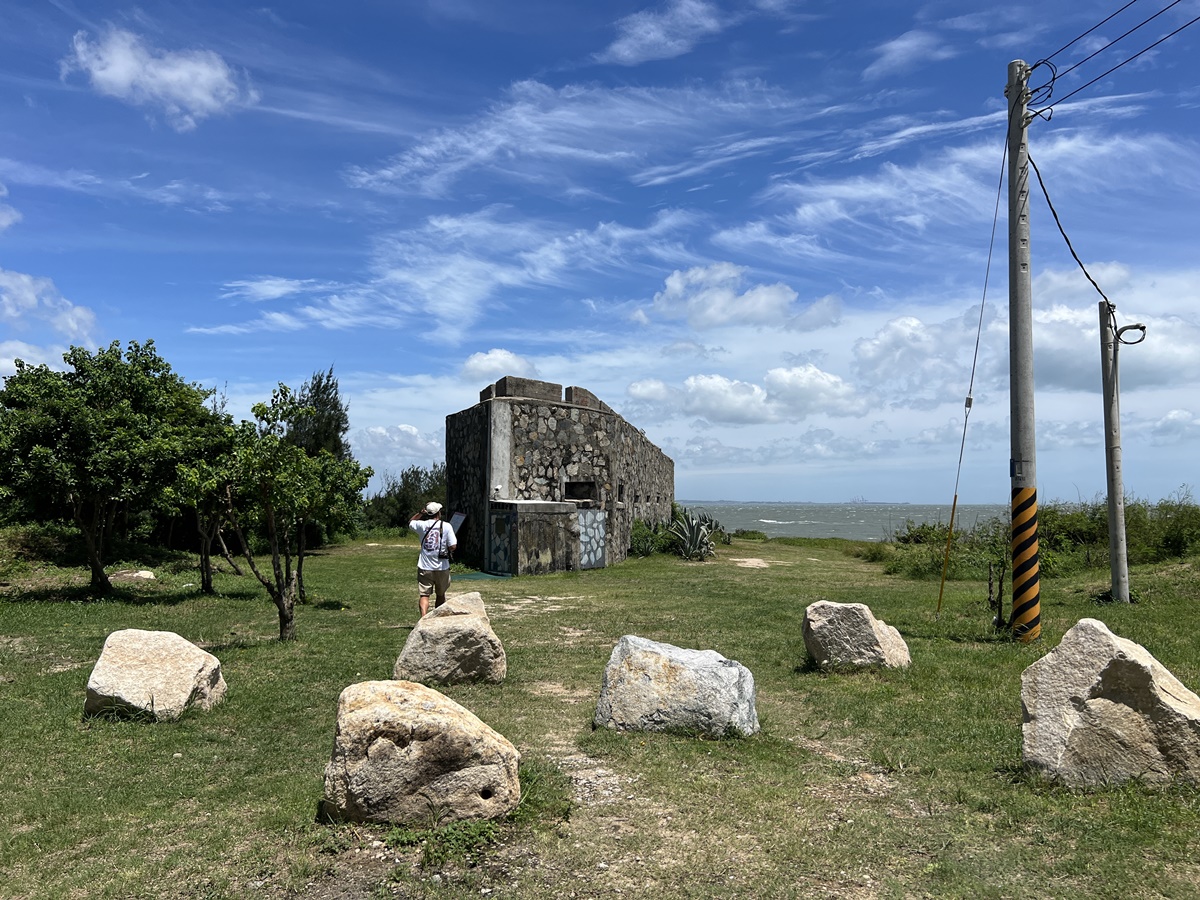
x=1063 y=232
x=1115 y=40
x=1086 y=33
x=1167 y=37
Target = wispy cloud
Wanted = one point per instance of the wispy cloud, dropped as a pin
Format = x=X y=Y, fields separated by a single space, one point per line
x=28 y=300
x=546 y=137
x=270 y=287
x=663 y=34
x=186 y=86
x=909 y=51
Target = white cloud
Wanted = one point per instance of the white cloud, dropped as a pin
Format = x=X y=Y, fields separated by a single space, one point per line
x=26 y=300
x=8 y=215
x=711 y=297
x=907 y=52
x=674 y=31
x=185 y=85
x=541 y=136
x=270 y=287
x=496 y=363
x=716 y=398
x=1176 y=427
x=802 y=391
x=390 y=449
x=11 y=351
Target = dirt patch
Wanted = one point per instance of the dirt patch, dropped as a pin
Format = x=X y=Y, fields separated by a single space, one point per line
x=536 y=605
x=750 y=563
x=554 y=689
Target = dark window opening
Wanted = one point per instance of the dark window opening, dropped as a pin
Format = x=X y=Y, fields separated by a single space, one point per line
x=581 y=490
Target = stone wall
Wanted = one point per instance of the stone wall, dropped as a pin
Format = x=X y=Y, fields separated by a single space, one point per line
x=466 y=484
x=531 y=444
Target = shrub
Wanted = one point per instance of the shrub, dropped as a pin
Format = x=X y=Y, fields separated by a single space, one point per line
x=694 y=539
x=749 y=534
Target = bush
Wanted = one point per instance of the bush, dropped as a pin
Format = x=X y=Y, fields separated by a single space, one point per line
x=693 y=534
x=401 y=496
x=750 y=534
x=1072 y=538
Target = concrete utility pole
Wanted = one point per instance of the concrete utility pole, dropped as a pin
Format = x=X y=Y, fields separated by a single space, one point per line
x=1026 y=621
x=1110 y=342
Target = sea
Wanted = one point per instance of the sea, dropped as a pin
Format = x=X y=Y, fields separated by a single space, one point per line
x=855 y=520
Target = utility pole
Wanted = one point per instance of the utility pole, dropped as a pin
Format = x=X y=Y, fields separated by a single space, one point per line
x=1026 y=621
x=1110 y=341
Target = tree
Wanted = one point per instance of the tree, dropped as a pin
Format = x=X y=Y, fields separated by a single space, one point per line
x=104 y=437
x=327 y=420
x=274 y=486
x=200 y=486
x=394 y=505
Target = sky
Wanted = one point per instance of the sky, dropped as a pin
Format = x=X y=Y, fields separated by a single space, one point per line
x=760 y=230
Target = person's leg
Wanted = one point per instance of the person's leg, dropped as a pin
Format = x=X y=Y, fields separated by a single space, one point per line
x=441 y=581
x=425 y=586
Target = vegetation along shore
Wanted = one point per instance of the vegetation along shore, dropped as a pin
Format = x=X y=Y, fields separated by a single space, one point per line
x=879 y=784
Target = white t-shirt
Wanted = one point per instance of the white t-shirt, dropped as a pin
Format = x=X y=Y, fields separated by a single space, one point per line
x=434 y=535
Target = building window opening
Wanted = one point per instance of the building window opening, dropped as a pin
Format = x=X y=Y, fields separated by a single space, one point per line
x=580 y=490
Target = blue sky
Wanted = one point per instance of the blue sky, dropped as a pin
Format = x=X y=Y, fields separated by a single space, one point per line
x=757 y=229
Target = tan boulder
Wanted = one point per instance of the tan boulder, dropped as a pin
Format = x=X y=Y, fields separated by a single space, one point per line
x=453 y=644
x=848 y=636
x=1099 y=709
x=652 y=686
x=152 y=673
x=405 y=754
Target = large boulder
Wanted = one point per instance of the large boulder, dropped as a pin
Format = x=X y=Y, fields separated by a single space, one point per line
x=1099 y=709
x=155 y=674
x=407 y=755
x=453 y=643
x=649 y=686
x=848 y=636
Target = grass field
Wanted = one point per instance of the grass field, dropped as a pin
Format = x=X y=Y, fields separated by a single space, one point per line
x=875 y=784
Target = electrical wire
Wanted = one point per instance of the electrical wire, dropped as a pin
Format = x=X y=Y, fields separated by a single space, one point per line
x=1062 y=231
x=1115 y=40
x=1086 y=33
x=1047 y=109
x=974 y=365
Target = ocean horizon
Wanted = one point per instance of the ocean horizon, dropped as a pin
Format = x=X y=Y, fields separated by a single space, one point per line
x=858 y=520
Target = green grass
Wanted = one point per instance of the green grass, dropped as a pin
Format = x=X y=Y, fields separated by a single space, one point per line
x=874 y=784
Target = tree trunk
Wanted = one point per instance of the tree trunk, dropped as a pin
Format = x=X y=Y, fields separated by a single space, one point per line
x=237 y=570
x=206 y=574
x=287 y=617
x=92 y=542
x=301 y=595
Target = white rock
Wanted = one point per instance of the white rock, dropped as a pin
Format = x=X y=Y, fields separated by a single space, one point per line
x=650 y=686
x=454 y=643
x=405 y=754
x=847 y=635
x=152 y=673
x=1099 y=709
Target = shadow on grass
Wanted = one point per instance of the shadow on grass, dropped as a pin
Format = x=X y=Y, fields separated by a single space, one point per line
x=120 y=593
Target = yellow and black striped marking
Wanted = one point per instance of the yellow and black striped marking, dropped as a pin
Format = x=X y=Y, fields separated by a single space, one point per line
x=1026 y=595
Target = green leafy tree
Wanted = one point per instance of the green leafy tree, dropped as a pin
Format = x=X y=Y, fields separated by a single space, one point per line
x=276 y=488
x=102 y=438
x=200 y=487
x=326 y=421
x=394 y=504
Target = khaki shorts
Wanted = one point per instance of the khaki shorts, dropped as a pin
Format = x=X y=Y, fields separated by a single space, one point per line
x=430 y=580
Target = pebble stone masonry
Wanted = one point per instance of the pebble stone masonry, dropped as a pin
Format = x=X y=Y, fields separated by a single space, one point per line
x=550 y=480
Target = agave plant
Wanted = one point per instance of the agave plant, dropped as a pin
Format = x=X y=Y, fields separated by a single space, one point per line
x=694 y=538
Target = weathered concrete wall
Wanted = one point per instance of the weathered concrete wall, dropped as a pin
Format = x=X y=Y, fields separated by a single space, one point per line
x=466 y=471
x=535 y=445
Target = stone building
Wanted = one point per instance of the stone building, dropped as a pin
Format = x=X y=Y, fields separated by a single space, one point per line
x=550 y=482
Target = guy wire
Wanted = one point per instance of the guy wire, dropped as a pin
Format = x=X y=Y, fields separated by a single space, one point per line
x=971 y=385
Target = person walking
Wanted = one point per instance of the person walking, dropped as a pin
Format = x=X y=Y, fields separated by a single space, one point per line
x=437 y=549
